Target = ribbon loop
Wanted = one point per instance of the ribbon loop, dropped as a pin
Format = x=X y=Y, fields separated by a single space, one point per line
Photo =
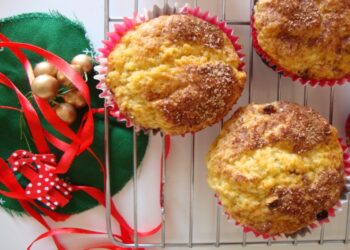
x=45 y=186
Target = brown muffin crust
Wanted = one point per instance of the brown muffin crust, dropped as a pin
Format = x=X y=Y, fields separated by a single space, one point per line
x=301 y=202
x=209 y=94
x=302 y=127
x=307 y=37
x=175 y=73
x=188 y=29
x=276 y=167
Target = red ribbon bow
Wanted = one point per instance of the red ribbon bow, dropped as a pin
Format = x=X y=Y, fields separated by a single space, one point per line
x=42 y=168
x=45 y=185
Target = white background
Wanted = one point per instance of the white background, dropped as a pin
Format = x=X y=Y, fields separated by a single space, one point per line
x=17 y=232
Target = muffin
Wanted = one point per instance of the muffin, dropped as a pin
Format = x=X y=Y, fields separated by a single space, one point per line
x=306 y=38
x=276 y=167
x=175 y=73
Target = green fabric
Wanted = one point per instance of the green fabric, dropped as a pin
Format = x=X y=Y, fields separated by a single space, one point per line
x=65 y=38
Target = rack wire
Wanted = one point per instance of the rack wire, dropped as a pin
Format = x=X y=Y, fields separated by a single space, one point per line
x=190 y=243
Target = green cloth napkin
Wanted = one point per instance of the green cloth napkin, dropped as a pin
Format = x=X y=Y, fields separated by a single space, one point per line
x=66 y=38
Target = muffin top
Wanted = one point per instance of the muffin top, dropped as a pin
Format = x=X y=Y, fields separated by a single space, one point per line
x=175 y=73
x=276 y=167
x=310 y=38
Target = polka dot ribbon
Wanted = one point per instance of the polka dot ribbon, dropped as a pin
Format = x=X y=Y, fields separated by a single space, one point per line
x=44 y=184
x=45 y=187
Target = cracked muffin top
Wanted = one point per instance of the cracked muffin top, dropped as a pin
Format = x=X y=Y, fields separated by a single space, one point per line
x=176 y=74
x=309 y=38
x=276 y=167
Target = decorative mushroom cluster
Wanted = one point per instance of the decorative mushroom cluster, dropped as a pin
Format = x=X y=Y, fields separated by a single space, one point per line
x=52 y=85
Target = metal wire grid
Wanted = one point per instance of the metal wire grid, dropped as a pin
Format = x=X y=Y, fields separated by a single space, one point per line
x=190 y=243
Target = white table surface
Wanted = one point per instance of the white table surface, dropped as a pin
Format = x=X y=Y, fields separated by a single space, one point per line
x=17 y=232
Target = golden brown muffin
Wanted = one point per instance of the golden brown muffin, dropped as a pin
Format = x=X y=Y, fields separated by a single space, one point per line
x=276 y=167
x=175 y=73
x=310 y=38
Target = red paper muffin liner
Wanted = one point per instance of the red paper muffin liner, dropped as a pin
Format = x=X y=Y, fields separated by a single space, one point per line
x=317 y=223
x=287 y=73
x=128 y=24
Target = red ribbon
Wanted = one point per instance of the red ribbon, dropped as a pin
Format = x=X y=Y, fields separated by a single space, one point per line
x=84 y=137
x=30 y=115
x=10 y=182
x=60 y=231
x=98 y=195
x=80 y=142
x=44 y=184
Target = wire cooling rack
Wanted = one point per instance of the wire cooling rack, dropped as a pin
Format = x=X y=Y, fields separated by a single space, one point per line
x=243 y=241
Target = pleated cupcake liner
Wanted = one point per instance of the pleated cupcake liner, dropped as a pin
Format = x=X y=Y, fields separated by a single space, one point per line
x=302 y=232
x=128 y=24
x=347 y=130
x=268 y=60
